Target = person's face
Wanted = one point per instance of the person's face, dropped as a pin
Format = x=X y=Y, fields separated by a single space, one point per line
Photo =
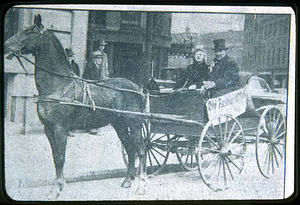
x=199 y=56
x=101 y=48
x=97 y=60
x=220 y=54
x=70 y=58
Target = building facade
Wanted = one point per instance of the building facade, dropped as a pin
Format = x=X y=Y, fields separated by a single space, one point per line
x=137 y=42
x=137 y=48
x=266 y=47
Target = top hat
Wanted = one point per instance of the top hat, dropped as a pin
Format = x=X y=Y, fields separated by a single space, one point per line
x=69 y=52
x=102 y=43
x=220 y=44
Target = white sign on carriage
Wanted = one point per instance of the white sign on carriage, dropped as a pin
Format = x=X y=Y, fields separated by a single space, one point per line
x=233 y=103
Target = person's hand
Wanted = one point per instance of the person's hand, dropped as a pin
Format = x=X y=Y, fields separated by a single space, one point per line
x=211 y=66
x=179 y=90
x=192 y=87
x=209 y=84
x=202 y=89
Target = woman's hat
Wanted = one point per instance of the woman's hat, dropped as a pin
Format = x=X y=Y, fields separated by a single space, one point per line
x=69 y=52
x=198 y=48
x=102 y=43
x=220 y=44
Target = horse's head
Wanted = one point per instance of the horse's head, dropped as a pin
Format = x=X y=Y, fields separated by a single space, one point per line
x=27 y=40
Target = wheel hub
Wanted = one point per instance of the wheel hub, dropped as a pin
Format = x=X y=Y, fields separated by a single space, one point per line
x=274 y=141
x=225 y=151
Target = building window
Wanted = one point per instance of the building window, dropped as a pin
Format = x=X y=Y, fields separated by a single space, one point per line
x=130 y=20
x=279 y=56
x=11 y=23
x=97 y=19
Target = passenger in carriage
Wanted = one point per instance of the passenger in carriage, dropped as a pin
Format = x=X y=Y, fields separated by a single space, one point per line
x=196 y=73
x=224 y=72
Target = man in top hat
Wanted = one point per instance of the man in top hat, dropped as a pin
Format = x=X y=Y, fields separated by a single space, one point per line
x=224 y=75
x=97 y=69
x=74 y=66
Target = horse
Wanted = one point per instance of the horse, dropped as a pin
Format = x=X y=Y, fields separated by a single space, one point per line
x=56 y=83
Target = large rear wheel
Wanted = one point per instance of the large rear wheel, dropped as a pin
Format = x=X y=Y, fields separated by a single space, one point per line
x=270 y=142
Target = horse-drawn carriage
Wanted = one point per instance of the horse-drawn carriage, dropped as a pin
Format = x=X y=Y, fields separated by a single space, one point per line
x=204 y=133
x=211 y=134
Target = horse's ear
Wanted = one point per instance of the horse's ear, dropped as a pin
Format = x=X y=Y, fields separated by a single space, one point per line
x=38 y=21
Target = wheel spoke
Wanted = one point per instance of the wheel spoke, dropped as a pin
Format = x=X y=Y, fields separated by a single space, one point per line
x=155 y=158
x=158 y=152
x=240 y=169
x=221 y=136
x=278 y=128
x=231 y=131
x=229 y=169
x=264 y=139
x=239 y=132
x=224 y=172
x=225 y=131
x=278 y=151
x=187 y=158
x=158 y=138
x=152 y=136
x=237 y=155
x=281 y=134
x=274 y=153
x=216 y=145
x=211 y=150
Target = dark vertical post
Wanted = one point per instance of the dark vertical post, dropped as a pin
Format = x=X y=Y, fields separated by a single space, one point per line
x=24 y=115
x=147 y=51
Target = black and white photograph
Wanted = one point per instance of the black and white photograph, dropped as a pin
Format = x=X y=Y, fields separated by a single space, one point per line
x=144 y=102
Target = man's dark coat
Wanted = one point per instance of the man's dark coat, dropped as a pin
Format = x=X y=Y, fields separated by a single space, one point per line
x=225 y=74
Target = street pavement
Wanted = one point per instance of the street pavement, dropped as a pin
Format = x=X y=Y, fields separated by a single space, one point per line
x=94 y=171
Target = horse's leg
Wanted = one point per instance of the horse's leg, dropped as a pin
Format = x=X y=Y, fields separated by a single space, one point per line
x=136 y=135
x=57 y=136
x=123 y=135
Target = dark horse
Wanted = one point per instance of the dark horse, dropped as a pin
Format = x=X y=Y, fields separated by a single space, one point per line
x=56 y=83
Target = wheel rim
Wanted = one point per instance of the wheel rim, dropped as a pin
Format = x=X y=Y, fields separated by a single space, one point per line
x=186 y=154
x=270 y=142
x=221 y=153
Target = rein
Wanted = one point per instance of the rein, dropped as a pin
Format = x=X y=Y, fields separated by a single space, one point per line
x=72 y=77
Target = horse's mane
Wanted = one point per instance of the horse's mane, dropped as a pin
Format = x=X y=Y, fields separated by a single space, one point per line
x=55 y=56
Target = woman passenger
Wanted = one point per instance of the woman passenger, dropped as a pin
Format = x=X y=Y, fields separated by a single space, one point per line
x=196 y=73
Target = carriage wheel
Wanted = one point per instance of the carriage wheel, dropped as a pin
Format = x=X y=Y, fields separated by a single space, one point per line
x=157 y=149
x=270 y=142
x=186 y=154
x=221 y=152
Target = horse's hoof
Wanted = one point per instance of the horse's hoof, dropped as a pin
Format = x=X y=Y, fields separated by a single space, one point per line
x=140 y=191
x=54 y=193
x=56 y=189
x=126 y=183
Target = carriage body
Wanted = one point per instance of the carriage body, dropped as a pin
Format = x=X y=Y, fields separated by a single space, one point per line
x=198 y=129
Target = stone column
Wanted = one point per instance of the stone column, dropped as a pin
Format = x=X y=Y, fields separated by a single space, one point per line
x=79 y=37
